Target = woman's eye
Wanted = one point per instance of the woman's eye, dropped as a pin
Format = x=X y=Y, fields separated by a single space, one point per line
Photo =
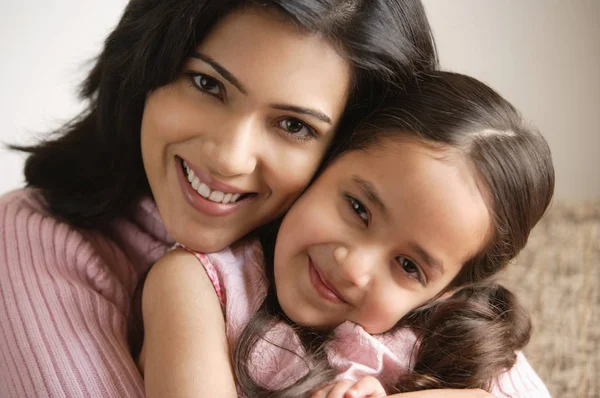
x=297 y=129
x=207 y=84
x=359 y=209
x=410 y=268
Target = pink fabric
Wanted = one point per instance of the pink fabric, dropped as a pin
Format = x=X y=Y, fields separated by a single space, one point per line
x=211 y=272
x=64 y=300
x=353 y=353
x=524 y=383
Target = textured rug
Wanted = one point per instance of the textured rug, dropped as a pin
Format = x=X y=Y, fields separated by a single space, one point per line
x=557 y=277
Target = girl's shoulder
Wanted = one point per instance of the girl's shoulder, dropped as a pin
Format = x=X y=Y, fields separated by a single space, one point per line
x=236 y=271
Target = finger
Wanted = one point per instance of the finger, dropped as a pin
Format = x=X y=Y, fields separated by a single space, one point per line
x=340 y=388
x=368 y=386
x=322 y=393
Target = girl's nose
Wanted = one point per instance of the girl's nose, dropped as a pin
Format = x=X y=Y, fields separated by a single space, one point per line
x=235 y=151
x=356 y=264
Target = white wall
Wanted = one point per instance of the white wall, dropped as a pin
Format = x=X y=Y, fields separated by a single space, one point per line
x=543 y=55
x=45 y=49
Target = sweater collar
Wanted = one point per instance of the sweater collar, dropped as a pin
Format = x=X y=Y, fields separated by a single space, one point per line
x=148 y=218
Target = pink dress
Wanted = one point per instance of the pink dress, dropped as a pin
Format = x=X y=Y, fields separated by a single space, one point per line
x=238 y=278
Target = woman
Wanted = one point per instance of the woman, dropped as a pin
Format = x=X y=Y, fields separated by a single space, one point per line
x=248 y=97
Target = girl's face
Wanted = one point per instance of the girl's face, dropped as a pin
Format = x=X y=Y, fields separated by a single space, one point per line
x=233 y=141
x=378 y=234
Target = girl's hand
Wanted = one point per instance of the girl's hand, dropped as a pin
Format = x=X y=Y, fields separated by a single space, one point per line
x=473 y=393
x=367 y=387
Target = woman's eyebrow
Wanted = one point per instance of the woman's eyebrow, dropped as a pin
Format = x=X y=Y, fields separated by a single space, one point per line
x=303 y=111
x=221 y=70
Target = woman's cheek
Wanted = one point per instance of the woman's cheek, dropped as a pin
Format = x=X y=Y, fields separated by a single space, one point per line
x=293 y=176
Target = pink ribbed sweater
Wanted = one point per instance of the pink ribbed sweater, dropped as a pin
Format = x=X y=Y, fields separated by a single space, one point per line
x=64 y=299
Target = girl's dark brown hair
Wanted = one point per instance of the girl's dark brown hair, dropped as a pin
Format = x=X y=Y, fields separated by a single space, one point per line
x=90 y=171
x=468 y=339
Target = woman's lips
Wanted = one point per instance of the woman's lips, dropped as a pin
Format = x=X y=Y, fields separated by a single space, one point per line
x=204 y=205
x=213 y=184
x=323 y=288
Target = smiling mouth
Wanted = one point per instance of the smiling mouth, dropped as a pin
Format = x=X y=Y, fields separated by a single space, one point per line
x=210 y=194
x=322 y=286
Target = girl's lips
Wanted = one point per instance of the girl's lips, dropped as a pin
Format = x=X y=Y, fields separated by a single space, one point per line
x=323 y=288
x=203 y=205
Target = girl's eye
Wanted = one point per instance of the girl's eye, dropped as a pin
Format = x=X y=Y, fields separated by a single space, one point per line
x=359 y=209
x=410 y=268
x=207 y=84
x=297 y=129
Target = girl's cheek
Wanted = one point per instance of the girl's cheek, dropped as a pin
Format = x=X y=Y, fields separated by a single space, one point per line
x=386 y=307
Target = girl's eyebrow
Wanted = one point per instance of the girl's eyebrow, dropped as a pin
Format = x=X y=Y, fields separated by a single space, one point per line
x=221 y=70
x=436 y=265
x=370 y=192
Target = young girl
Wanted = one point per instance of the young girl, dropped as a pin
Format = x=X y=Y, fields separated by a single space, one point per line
x=428 y=199
x=250 y=94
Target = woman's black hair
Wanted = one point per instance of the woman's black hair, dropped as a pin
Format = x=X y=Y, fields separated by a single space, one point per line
x=90 y=171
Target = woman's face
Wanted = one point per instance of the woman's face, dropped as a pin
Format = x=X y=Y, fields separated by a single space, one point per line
x=377 y=235
x=233 y=141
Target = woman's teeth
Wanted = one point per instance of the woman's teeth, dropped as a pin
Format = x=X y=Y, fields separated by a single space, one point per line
x=206 y=192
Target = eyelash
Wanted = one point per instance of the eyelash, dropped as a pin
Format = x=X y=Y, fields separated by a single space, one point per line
x=417 y=274
x=357 y=207
x=193 y=78
x=312 y=134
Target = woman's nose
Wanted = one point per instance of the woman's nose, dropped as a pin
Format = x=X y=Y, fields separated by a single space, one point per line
x=234 y=152
x=356 y=264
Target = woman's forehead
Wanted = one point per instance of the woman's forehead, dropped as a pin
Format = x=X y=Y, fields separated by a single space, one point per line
x=276 y=62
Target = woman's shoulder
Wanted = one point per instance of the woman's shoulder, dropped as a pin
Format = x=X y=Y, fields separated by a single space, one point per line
x=22 y=203
x=26 y=220
x=32 y=237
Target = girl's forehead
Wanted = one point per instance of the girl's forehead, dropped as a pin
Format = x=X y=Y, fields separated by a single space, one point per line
x=415 y=163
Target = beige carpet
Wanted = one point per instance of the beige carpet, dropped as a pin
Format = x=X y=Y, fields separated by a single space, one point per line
x=558 y=278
